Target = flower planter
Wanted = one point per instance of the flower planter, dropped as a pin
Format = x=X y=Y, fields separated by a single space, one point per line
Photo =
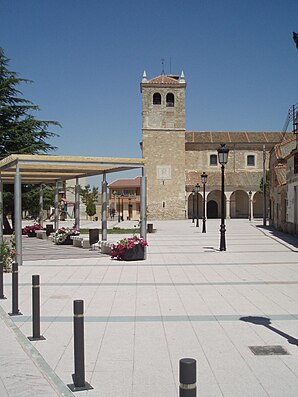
x=137 y=253
x=31 y=234
x=67 y=241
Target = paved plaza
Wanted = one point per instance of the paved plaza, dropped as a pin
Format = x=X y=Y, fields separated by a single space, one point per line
x=186 y=299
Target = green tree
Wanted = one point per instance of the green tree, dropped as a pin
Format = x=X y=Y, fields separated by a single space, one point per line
x=89 y=198
x=31 y=196
x=91 y=209
x=20 y=131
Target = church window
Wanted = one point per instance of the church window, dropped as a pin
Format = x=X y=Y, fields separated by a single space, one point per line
x=251 y=160
x=213 y=159
x=170 y=99
x=156 y=98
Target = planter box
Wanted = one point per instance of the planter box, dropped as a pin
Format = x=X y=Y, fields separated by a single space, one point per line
x=136 y=253
x=67 y=241
x=31 y=234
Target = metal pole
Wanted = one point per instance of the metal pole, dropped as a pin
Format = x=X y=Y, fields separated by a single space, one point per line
x=119 y=212
x=143 y=208
x=36 y=309
x=197 y=194
x=56 y=204
x=1 y=280
x=204 y=213
x=15 y=293
x=18 y=214
x=41 y=205
x=78 y=377
x=264 y=186
x=193 y=208
x=77 y=204
x=122 y=211
x=249 y=205
x=104 y=231
x=222 y=226
x=187 y=377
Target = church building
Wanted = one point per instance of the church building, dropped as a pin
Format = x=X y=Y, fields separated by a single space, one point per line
x=176 y=158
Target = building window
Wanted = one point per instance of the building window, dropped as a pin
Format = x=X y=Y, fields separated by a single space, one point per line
x=213 y=159
x=156 y=98
x=251 y=160
x=170 y=99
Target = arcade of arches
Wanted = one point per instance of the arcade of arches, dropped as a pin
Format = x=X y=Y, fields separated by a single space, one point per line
x=238 y=204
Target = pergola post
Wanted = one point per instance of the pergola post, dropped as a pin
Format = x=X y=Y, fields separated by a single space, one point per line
x=56 y=204
x=41 y=205
x=104 y=229
x=18 y=214
x=77 y=204
x=1 y=211
x=143 y=216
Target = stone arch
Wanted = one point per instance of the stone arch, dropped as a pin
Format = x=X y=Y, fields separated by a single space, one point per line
x=156 y=98
x=239 y=204
x=214 y=204
x=192 y=206
x=170 y=99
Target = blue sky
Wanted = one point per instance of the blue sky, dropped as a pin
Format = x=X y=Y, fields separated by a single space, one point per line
x=87 y=58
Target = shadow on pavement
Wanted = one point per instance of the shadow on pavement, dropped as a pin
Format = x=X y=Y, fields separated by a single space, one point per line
x=285 y=237
x=266 y=323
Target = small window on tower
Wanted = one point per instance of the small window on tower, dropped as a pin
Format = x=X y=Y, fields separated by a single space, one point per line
x=156 y=98
x=213 y=159
x=170 y=99
x=251 y=160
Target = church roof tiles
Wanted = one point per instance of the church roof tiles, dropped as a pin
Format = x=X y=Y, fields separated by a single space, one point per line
x=164 y=79
x=233 y=137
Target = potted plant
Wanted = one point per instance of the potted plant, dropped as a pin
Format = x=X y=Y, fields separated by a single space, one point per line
x=30 y=230
x=62 y=235
x=129 y=249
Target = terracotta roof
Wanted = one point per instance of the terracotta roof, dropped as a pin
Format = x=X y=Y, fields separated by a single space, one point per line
x=125 y=183
x=281 y=174
x=285 y=147
x=242 y=179
x=164 y=79
x=239 y=137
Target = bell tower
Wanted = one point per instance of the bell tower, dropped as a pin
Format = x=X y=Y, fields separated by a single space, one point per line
x=163 y=144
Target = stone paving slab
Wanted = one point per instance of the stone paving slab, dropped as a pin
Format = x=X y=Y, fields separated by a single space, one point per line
x=186 y=299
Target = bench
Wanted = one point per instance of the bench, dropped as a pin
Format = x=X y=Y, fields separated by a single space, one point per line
x=80 y=241
x=106 y=246
x=41 y=234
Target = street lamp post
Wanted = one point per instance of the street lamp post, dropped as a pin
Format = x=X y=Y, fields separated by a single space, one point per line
x=193 y=205
x=223 y=153
x=249 y=204
x=204 y=177
x=129 y=207
x=122 y=216
x=119 y=214
x=197 y=189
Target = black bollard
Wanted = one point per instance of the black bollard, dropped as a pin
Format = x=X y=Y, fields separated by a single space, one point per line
x=36 y=309
x=78 y=377
x=187 y=377
x=15 y=290
x=1 y=280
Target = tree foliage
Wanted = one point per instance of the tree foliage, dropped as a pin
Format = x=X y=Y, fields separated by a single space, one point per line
x=20 y=131
x=89 y=198
x=31 y=197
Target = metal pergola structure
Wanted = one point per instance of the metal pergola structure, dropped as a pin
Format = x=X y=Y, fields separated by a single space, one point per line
x=47 y=169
